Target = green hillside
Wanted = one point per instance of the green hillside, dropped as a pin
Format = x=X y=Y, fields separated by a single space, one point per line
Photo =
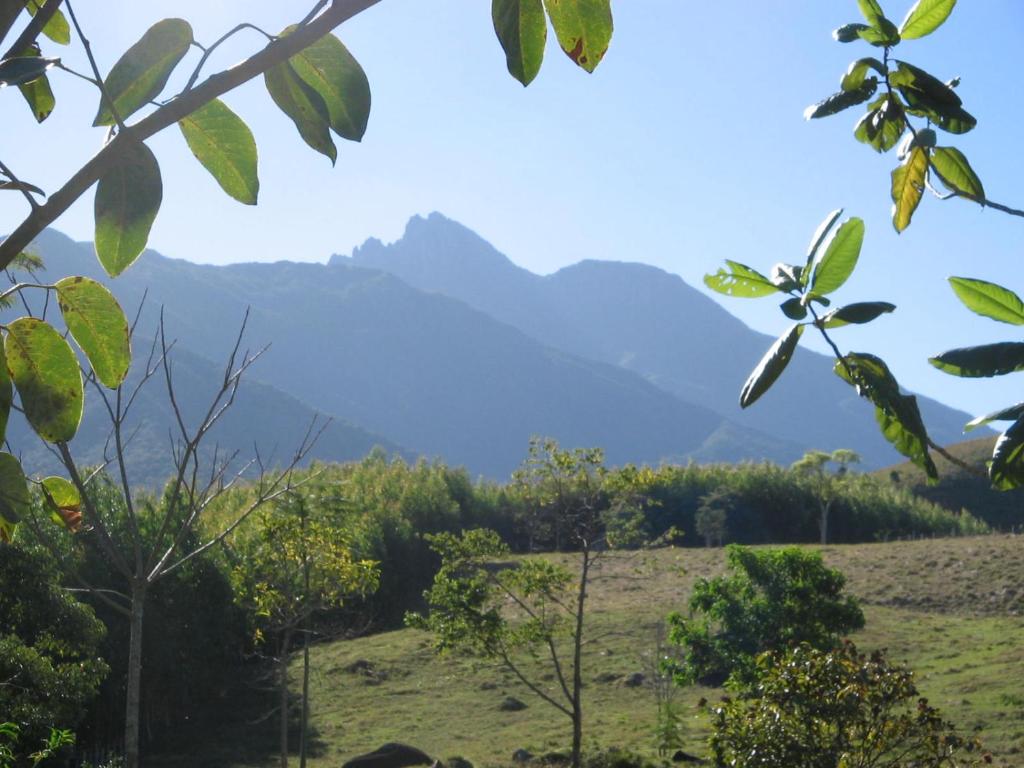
x=953 y=609
x=960 y=489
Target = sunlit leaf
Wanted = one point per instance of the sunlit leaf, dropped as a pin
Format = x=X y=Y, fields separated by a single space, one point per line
x=142 y=72
x=583 y=29
x=817 y=239
x=771 y=366
x=871 y=10
x=908 y=187
x=924 y=17
x=989 y=300
x=63 y=502
x=857 y=73
x=740 y=281
x=837 y=262
x=883 y=124
x=225 y=146
x=1012 y=413
x=857 y=313
x=1006 y=471
x=128 y=198
x=14 y=496
x=849 y=32
x=45 y=372
x=955 y=172
x=897 y=414
x=522 y=31
x=57 y=28
x=98 y=325
x=38 y=93
x=303 y=105
x=328 y=68
x=983 y=360
x=6 y=395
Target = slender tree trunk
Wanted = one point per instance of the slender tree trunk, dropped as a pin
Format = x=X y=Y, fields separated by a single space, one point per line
x=577 y=672
x=304 y=732
x=134 y=690
x=282 y=691
x=823 y=523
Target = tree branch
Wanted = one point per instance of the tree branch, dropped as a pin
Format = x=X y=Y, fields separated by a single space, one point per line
x=35 y=26
x=213 y=87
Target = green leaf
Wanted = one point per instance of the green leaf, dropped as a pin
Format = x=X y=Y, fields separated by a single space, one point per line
x=989 y=300
x=1012 y=413
x=740 y=281
x=924 y=17
x=45 y=371
x=794 y=309
x=128 y=198
x=897 y=414
x=225 y=146
x=1006 y=471
x=39 y=96
x=98 y=325
x=983 y=360
x=328 y=68
x=19 y=70
x=303 y=105
x=858 y=71
x=881 y=35
x=837 y=102
x=908 y=187
x=786 y=277
x=771 y=366
x=583 y=29
x=57 y=28
x=522 y=31
x=6 y=395
x=63 y=502
x=818 y=238
x=849 y=32
x=883 y=124
x=15 y=501
x=142 y=72
x=837 y=262
x=929 y=97
x=955 y=172
x=858 y=313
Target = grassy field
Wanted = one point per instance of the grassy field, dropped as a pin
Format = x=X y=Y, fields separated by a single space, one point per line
x=952 y=609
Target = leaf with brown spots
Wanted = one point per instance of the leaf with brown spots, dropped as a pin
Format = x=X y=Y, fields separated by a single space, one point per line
x=63 y=502
x=98 y=325
x=583 y=28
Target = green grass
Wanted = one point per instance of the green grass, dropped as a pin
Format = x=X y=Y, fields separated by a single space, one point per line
x=950 y=608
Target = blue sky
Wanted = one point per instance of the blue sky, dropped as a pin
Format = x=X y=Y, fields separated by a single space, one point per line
x=686 y=147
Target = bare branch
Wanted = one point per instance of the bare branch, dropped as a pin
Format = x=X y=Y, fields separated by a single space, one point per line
x=35 y=26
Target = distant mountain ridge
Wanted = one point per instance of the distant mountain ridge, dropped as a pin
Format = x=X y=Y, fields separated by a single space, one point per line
x=648 y=321
x=438 y=345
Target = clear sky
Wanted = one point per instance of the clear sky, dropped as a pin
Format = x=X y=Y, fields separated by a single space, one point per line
x=686 y=147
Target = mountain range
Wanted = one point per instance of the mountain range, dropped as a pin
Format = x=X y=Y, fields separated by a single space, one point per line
x=438 y=345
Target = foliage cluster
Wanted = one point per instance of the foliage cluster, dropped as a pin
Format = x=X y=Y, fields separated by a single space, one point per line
x=770 y=600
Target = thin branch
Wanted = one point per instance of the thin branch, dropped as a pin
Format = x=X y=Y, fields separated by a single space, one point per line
x=104 y=93
x=32 y=202
x=533 y=687
x=35 y=26
x=207 y=51
x=984 y=202
x=213 y=87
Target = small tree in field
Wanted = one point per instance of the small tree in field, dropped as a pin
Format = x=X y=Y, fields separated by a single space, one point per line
x=511 y=613
x=825 y=708
x=286 y=566
x=770 y=599
x=813 y=466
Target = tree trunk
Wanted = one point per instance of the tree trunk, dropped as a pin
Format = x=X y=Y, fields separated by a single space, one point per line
x=134 y=690
x=282 y=683
x=577 y=672
x=823 y=523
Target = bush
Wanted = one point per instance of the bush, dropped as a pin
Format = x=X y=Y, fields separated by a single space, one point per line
x=769 y=600
x=821 y=709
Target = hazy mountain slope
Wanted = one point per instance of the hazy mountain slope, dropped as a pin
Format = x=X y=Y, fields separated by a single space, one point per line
x=646 y=320
x=427 y=371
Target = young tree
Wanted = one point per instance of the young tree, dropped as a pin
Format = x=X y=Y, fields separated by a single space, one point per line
x=499 y=612
x=769 y=600
x=813 y=466
x=286 y=566
x=836 y=707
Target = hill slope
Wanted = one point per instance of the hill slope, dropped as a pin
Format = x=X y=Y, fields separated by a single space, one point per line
x=650 y=322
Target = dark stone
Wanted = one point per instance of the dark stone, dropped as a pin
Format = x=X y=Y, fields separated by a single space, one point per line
x=457 y=762
x=634 y=680
x=686 y=757
x=390 y=755
x=511 y=704
x=522 y=756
